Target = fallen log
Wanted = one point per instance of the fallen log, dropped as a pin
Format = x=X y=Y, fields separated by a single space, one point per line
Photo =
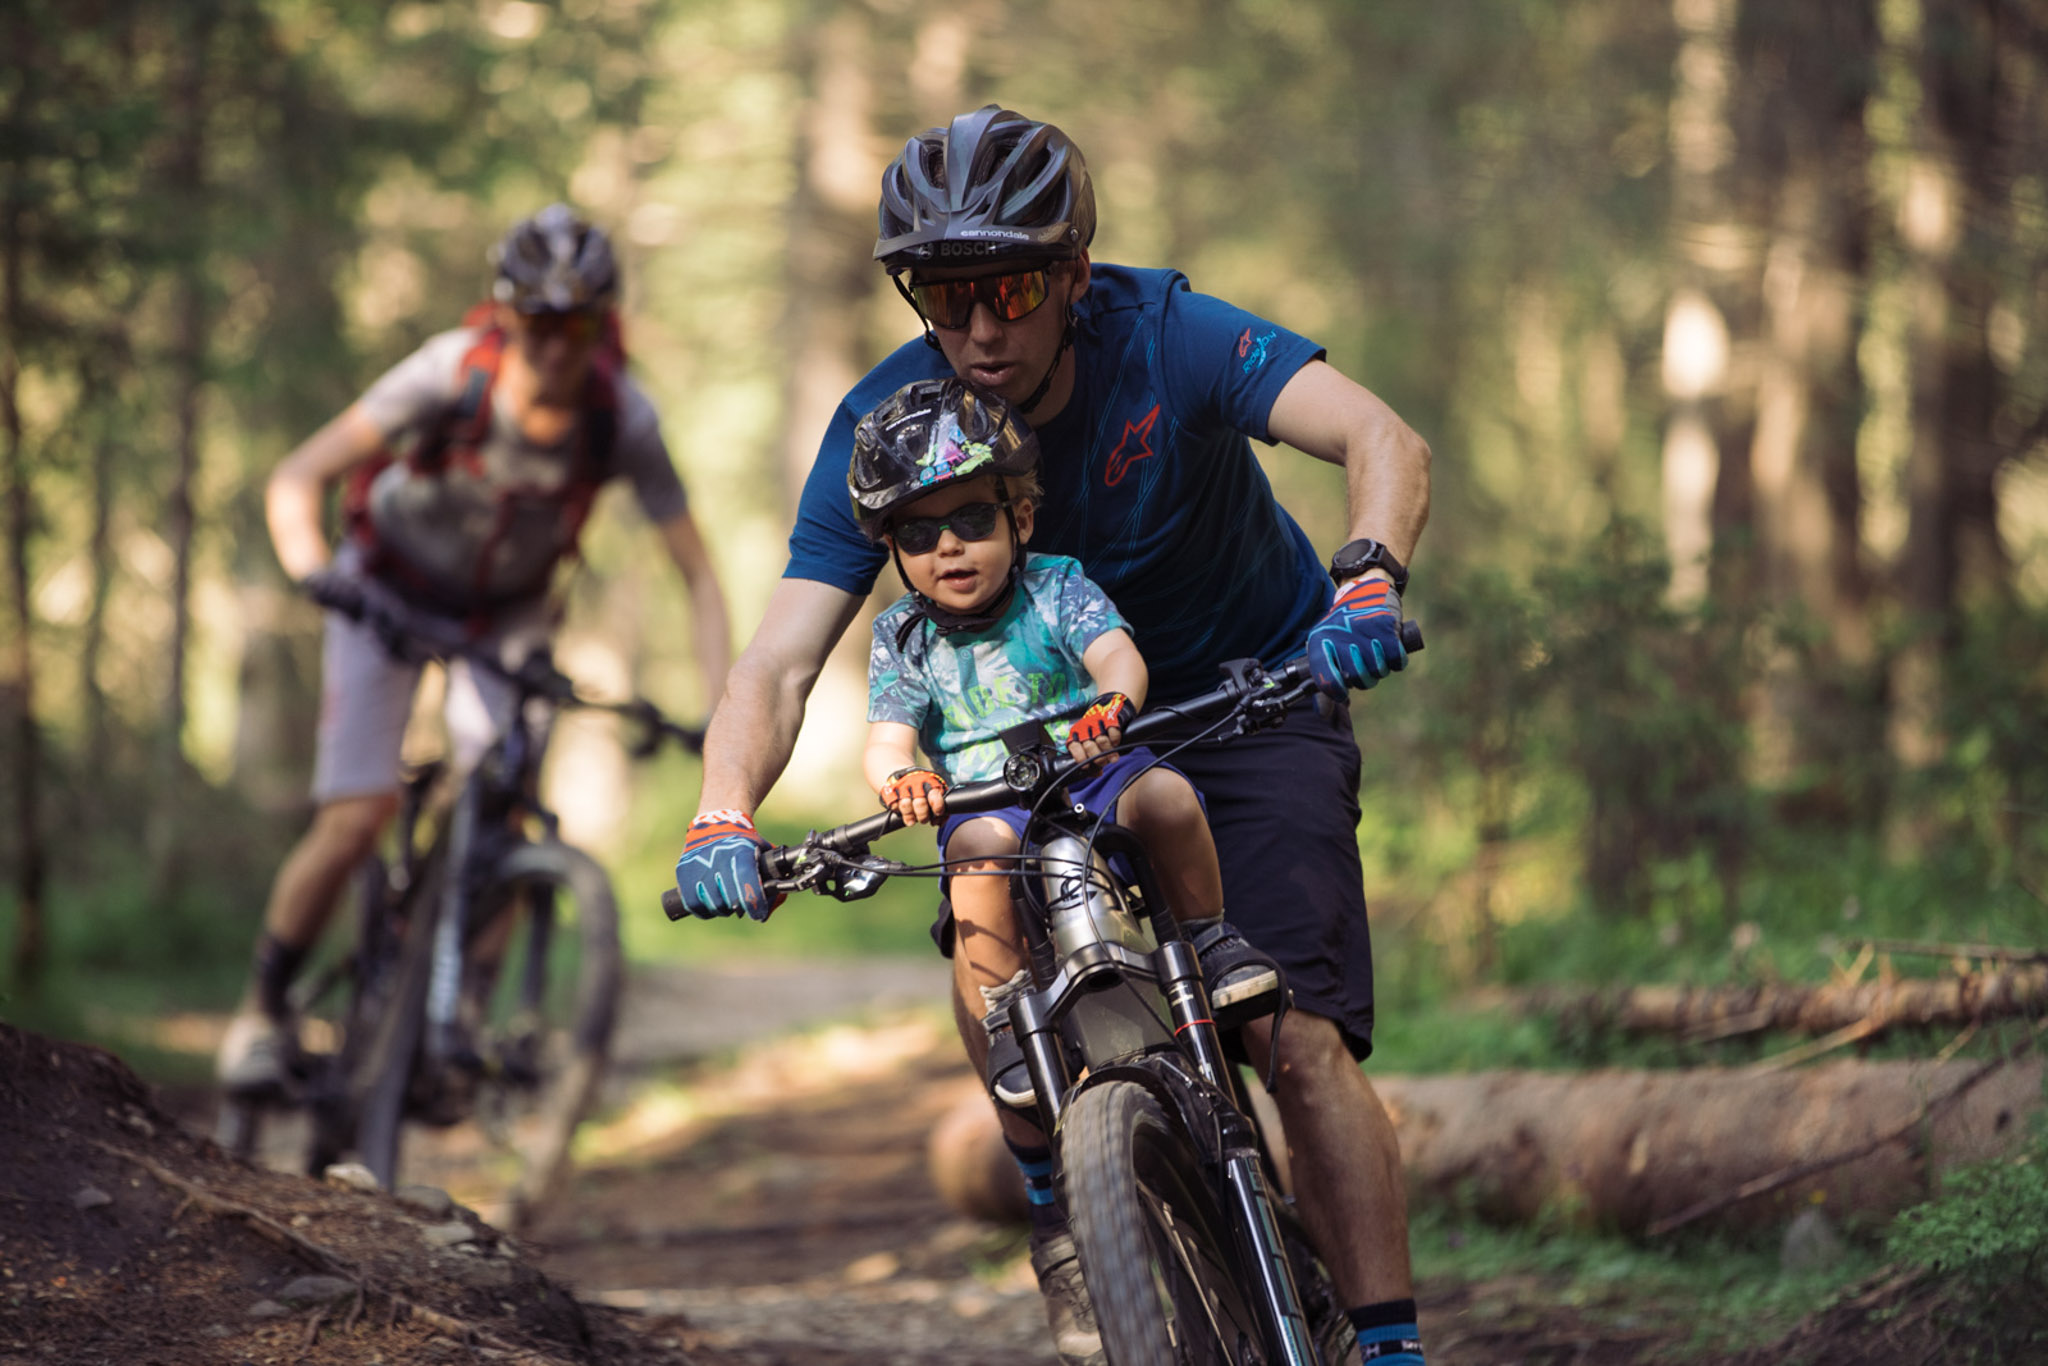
x=1707 y=1013
x=1637 y=1150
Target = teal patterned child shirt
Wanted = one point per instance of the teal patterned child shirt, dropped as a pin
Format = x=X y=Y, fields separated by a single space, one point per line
x=960 y=692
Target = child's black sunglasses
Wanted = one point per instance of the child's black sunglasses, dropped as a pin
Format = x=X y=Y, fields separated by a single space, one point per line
x=970 y=522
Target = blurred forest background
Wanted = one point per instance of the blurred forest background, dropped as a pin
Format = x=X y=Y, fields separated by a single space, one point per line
x=1723 y=317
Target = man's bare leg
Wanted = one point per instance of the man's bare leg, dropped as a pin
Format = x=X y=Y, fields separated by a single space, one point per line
x=308 y=885
x=1345 y=1159
x=302 y=901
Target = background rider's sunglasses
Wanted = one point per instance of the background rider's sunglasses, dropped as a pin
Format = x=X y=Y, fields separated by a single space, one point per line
x=950 y=303
x=574 y=327
x=970 y=522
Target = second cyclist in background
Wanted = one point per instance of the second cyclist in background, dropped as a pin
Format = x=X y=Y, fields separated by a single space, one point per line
x=470 y=468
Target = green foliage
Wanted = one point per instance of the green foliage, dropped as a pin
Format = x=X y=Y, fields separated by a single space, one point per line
x=1987 y=1226
x=1714 y=1295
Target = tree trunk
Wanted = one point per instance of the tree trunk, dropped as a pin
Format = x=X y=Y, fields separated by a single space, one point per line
x=1813 y=153
x=96 y=396
x=1696 y=328
x=31 y=857
x=1627 y=1150
x=1974 y=108
x=831 y=276
x=830 y=268
x=1928 y=221
x=186 y=184
x=1722 y=1012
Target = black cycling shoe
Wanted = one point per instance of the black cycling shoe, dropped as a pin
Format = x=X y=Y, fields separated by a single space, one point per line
x=1009 y=1080
x=1067 y=1307
x=1244 y=981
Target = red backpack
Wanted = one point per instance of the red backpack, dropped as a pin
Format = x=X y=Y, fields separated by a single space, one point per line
x=455 y=441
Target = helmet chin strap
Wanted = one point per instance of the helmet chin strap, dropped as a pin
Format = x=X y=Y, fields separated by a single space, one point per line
x=1037 y=396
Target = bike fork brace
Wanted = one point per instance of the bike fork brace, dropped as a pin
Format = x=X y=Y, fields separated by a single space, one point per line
x=1250 y=1197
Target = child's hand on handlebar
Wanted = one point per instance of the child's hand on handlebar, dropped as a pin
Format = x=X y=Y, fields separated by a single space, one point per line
x=918 y=795
x=1096 y=734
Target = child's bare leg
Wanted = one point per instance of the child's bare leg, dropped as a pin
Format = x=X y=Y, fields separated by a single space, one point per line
x=988 y=949
x=1162 y=808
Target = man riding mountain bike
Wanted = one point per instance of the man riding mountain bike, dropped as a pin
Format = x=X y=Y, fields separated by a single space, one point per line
x=470 y=467
x=1143 y=395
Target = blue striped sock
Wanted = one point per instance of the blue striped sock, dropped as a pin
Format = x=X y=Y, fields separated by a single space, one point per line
x=1387 y=1333
x=1036 y=1166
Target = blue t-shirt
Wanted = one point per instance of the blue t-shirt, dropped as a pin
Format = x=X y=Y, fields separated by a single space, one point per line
x=960 y=692
x=1149 y=478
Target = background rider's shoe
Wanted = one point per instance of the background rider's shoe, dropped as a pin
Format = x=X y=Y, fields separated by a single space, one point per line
x=255 y=1055
x=1009 y=1080
x=1067 y=1307
x=1244 y=981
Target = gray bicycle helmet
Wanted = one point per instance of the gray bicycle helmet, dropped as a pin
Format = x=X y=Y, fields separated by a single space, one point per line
x=992 y=184
x=555 y=262
x=928 y=434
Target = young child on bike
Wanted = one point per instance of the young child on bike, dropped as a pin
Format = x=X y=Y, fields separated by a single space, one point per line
x=991 y=638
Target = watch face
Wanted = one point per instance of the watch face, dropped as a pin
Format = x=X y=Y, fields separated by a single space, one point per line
x=1361 y=555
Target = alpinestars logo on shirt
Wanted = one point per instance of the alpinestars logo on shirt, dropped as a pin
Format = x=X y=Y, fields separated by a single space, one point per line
x=1125 y=455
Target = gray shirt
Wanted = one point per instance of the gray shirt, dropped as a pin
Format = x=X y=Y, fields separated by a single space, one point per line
x=491 y=531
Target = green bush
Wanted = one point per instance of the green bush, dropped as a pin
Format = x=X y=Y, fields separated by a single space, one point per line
x=1988 y=1226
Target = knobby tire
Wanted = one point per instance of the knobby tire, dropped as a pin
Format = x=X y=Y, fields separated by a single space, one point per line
x=1158 y=1255
x=577 y=1066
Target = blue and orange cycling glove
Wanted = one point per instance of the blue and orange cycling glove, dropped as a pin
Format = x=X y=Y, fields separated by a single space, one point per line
x=719 y=871
x=912 y=785
x=1359 y=641
x=1108 y=713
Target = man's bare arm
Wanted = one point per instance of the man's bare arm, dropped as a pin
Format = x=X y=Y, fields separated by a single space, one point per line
x=292 y=499
x=1386 y=464
x=755 y=727
x=710 y=626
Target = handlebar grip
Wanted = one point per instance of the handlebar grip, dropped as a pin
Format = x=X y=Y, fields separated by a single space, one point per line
x=672 y=903
x=1411 y=636
x=779 y=862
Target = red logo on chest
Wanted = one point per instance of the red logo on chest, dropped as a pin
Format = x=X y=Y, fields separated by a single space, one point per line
x=1136 y=445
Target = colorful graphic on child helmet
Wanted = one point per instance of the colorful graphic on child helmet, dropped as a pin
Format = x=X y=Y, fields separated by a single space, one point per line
x=926 y=435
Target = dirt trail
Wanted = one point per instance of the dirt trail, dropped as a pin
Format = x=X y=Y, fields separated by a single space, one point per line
x=752 y=1196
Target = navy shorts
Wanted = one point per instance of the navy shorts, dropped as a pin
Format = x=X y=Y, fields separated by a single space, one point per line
x=1283 y=805
x=1099 y=794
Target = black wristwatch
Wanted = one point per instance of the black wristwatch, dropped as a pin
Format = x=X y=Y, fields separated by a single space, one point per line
x=1358 y=556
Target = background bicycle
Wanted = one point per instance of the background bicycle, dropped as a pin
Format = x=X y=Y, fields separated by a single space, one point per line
x=471 y=990
x=1189 y=1252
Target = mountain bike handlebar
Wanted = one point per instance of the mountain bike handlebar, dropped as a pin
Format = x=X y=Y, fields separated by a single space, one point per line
x=416 y=641
x=1260 y=698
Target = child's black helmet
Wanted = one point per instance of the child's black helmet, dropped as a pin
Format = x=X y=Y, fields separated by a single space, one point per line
x=928 y=434
x=992 y=184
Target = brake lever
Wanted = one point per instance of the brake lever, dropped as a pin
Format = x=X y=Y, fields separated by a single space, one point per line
x=840 y=876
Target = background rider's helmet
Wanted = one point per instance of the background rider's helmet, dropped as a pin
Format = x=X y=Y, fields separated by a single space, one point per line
x=991 y=185
x=555 y=262
x=928 y=434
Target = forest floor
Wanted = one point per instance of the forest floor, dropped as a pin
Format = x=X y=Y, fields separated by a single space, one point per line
x=754 y=1196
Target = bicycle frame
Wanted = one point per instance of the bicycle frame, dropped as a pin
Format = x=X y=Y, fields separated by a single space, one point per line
x=1179 y=1059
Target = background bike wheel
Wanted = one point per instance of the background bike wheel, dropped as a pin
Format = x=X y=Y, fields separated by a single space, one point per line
x=1159 y=1258
x=547 y=1010
x=383 y=1047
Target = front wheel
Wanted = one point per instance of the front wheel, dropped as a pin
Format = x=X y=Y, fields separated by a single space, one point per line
x=1157 y=1253
x=546 y=1004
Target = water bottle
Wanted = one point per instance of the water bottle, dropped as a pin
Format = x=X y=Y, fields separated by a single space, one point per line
x=1084 y=904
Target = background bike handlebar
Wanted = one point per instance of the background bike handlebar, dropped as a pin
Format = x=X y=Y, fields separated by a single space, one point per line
x=410 y=640
x=779 y=863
